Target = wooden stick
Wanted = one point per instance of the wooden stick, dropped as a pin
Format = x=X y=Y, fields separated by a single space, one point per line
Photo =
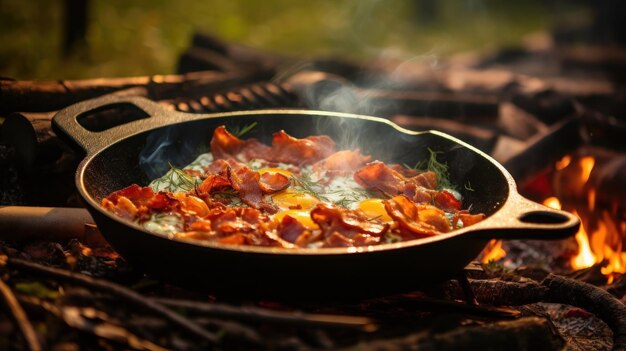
x=592 y=299
x=256 y=314
x=20 y=317
x=23 y=223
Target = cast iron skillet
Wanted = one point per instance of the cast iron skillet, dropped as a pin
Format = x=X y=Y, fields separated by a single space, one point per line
x=112 y=163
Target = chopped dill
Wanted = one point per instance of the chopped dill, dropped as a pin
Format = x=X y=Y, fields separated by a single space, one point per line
x=239 y=131
x=440 y=169
x=174 y=180
x=307 y=185
x=374 y=218
x=353 y=195
x=344 y=202
x=468 y=186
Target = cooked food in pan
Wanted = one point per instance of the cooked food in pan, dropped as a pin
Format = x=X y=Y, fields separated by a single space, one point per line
x=294 y=193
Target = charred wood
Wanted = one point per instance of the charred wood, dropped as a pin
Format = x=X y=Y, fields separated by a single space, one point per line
x=592 y=299
x=44 y=96
x=544 y=150
x=530 y=333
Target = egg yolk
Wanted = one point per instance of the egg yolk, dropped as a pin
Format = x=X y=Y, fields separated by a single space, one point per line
x=276 y=170
x=291 y=199
x=304 y=217
x=374 y=208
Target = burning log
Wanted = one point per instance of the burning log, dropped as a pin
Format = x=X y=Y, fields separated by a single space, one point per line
x=543 y=150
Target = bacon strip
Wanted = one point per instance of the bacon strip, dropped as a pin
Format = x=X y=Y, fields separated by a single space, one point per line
x=217 y=177
x=135 y=201
x=406 y=213
x=284 y=149
x=272 y=182
x=287 y=149
x=379 y=177
x=348 y=223
x=447 y=202
x=224 y=144
x=341 y=162
x=290 y=229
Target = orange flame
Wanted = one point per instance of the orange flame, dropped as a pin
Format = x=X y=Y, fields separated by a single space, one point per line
x=604 y=245
x=564 y=162
x=585 y=257
x=552 y=202
x=493 y=251
x=586 y=164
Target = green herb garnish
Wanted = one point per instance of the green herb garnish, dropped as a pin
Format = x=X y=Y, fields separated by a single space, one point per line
x=440 y=169
x=174 y=180
x=305 y=184
x=239 y=131
x=353 y=195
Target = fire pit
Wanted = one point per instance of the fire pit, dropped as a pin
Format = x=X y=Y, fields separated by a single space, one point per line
x=561 y=140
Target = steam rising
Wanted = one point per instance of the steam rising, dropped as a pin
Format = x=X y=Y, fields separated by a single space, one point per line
x=169 y=146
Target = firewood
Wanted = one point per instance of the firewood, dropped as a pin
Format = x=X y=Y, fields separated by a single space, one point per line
x=592 y=299
x=43 y=96
x=530 y=333
x=545 y=149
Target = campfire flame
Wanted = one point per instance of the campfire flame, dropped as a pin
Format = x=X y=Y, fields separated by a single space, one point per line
x=604 y=245
x=600 y=235
x=585 y=257
x=492 y=252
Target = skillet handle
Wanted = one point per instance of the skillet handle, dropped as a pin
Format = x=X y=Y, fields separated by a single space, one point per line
x=521 y=218
x=66 y=122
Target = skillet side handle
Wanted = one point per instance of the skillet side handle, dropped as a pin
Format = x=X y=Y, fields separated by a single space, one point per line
x=66 y=122
x=521 y=218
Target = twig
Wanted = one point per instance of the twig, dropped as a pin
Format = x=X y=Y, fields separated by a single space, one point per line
x=20 y=317
x=74 y=320
x=261 y=314
x=529 y=333
x=592 y=299
x=118 y=290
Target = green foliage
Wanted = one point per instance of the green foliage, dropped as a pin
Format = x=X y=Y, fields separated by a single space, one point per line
x=175 y=180
x=305 y=184
x=36 y=289
x=440 y=169
x=240 y=131
x=127 y=38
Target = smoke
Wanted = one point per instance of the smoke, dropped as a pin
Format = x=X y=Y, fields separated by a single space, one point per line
x=176 y=146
